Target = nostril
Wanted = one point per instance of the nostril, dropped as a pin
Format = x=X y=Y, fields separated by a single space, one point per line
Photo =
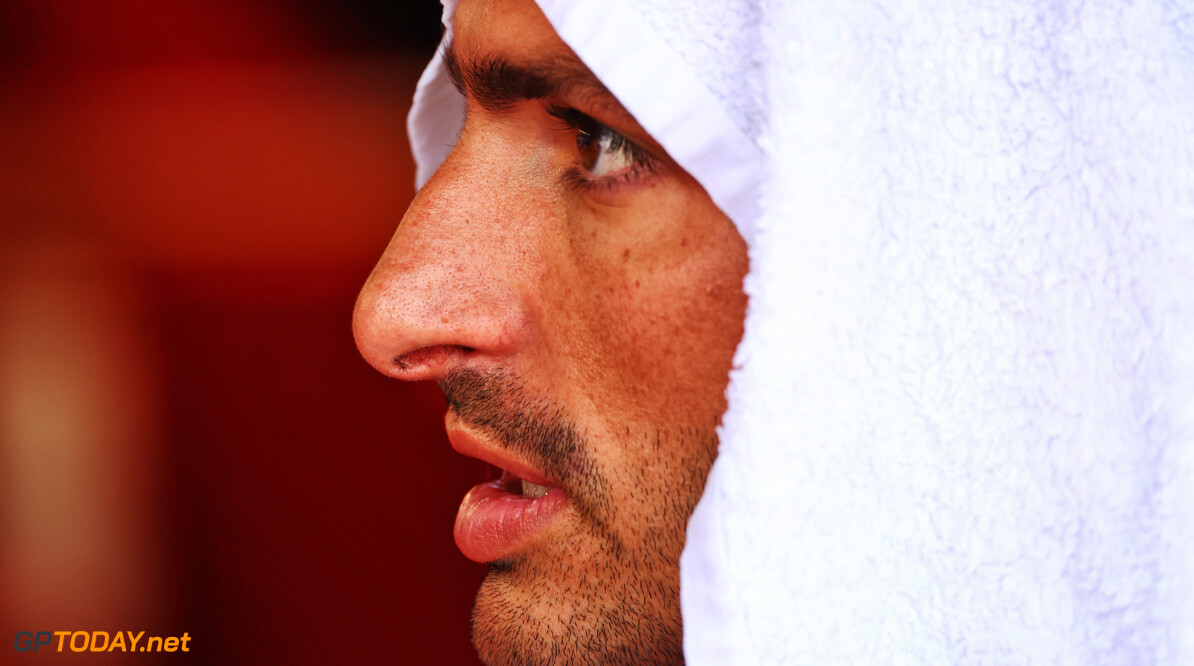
x=428 y=360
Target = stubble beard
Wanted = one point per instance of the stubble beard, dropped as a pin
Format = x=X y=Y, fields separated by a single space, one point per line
x=588 y=597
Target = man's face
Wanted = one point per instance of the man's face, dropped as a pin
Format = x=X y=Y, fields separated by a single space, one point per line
x=578 y=297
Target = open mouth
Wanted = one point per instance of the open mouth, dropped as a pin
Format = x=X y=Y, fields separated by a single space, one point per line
x=510 y=513
x=516 y=486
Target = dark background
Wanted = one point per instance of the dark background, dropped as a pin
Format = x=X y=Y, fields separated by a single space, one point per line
x=191 y=194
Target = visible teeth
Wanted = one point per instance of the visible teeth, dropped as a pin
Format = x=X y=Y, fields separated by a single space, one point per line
x=533 y=490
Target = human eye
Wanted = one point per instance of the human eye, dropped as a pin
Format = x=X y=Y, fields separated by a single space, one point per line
x=605 y=158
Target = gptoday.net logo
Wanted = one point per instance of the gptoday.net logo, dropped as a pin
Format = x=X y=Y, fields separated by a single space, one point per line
x=100 y=641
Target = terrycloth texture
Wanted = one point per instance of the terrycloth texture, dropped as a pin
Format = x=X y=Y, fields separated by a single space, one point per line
x=962 y=427
x=962 y=431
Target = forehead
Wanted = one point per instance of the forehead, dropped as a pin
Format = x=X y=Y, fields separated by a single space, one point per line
x=511 y=29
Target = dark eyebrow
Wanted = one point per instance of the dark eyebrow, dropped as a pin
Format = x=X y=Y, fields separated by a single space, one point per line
x=497 y=84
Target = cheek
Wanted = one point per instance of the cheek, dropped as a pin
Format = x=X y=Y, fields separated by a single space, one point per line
x=678 y=346
x=664 y=317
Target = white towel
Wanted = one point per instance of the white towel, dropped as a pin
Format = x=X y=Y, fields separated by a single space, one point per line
x=961 y=427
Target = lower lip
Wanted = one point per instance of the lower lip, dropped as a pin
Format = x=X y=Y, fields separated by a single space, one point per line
x=494 y=523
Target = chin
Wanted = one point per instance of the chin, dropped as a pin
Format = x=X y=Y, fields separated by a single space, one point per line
x=521 y=617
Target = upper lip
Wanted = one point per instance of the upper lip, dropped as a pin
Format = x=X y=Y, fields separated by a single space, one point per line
x=486 y=450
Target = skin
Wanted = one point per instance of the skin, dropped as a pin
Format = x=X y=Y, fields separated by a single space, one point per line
x=587 y=329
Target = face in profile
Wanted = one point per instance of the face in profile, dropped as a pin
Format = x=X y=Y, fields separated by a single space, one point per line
x=578 y=298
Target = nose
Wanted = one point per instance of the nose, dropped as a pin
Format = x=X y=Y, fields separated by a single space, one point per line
x=450 y=285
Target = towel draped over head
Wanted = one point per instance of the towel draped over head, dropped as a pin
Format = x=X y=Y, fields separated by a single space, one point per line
x=961 y=421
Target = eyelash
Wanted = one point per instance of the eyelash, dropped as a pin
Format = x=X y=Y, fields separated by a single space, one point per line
x=575 y=121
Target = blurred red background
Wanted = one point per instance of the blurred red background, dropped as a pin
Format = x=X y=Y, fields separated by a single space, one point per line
x=190 y=195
